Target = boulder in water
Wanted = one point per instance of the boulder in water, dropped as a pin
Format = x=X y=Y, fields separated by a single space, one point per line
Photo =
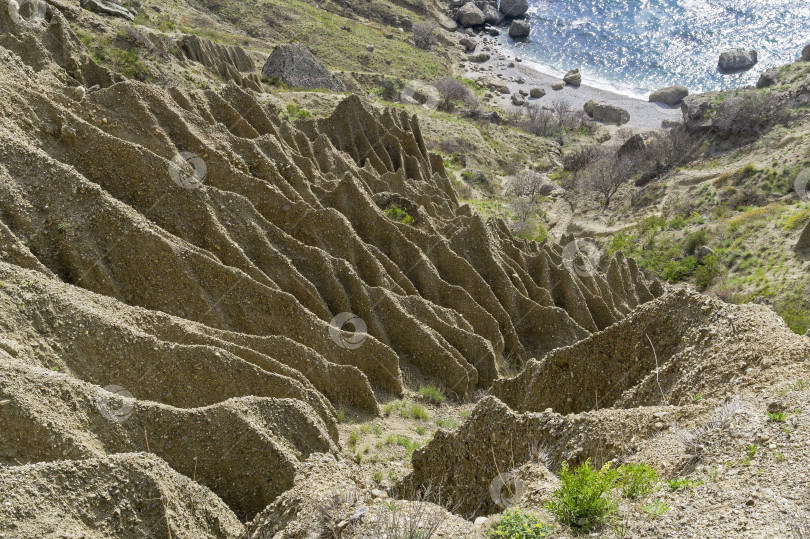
x=519 y=29
x=736 y=60
x=514 y=8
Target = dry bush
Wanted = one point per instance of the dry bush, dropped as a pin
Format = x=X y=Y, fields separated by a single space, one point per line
x=452 y=92
x=606 y=176
x=418 y=519
x=529 y=184
x=424 y=35
x=579 y=158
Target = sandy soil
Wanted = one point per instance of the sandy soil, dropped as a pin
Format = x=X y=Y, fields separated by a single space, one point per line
x=643 y=114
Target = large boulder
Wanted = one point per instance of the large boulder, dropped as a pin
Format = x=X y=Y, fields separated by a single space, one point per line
x=519 y=29
x=806 y=54
x=671 y=95
x=102 y=7
x=469 y=15
x=469 y=44
x=604 y=112
x=573 y=77
x=735 y=60
x=695 y=109
x=492 y=15
x=514 y=8
x=295 y=66
x=537 y=93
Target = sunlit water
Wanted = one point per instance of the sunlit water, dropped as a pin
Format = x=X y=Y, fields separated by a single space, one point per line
x=635 y=46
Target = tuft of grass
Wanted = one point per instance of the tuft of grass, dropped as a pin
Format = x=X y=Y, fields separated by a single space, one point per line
x=400 y=215
x=583 y=499
x=682 y=483
x=419 y=412
x=636 y=480
x=518 y=524
x=449 y=424
x=354 y=437
x=432 y=394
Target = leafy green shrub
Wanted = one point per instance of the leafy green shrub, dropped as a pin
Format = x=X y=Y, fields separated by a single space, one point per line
x=682 y=483
x=419 y=412
x=294 y=112
x=399 y=215
x=797 y=219
x=583 y=499
x=707 y=271
x=636 y=480
x=776 y=417
x=695 y=240
x=432 y=394
x=518 y=524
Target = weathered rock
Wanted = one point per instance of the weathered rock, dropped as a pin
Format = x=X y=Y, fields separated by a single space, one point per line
x=806 y=54
x=102 y=7
x=514 y=8
x=446 y=23
x=297 y=67
x=604 y=112
x=557 y=86
x=469 y=44
x=735 y=60
x=518 y=100
x=519 y=29
x=804 y=239
x=492 y=15
x=469 y=15
x=479 y=58
x=496 y=85
x=230 y=61
x=633 y=145
x=573 y=77
x=768 y=77
x=671 y=95
x=537 y=93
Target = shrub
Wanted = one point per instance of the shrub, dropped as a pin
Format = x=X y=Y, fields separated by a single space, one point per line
x=583 y=499
x=399 y=215
x=519 y=524
x=432 y=394
x=424 y=35
x=682 y=483
x=636 y=480
x=419 y=412
x=707 y=272
x=695 y=240
x=452 y=92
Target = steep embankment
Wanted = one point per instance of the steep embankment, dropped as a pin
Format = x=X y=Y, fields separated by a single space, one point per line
x=192 y=253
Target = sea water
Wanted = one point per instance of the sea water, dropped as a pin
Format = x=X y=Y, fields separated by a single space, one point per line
x=636 y=46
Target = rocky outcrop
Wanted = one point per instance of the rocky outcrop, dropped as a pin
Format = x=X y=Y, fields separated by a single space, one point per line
x=573 y=77
x=519 y=29
x=604 y=112
x=806 y=54
x=297 y=67
x=768 y=78
x=492 y=15
x=469 y=44
x=804 y=239
x=470 y=15
x=230 y=61
x=736 y=60
x=514 y=8
x=112 y=9
x=671 y=95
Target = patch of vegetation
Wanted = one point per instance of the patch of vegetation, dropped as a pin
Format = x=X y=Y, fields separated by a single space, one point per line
x=449 y=424
x=657 y=508
x=294 y=112
x=518 y=524
x=400 y=215
x=636 y=480
x=776 y=417
x=682 y=483
x=432 y=394
x=583 y=500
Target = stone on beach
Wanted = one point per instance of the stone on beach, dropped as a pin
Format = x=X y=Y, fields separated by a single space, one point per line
x=671 y=95
x=573 y=77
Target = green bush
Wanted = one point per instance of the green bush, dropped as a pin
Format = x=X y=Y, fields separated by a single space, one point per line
x=706 y=272
x=518 y=524
x=636 y=480
x=695 y=240
x=399 y=215
x=583 y=499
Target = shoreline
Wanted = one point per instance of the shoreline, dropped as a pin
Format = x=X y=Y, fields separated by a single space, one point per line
x=643 y=114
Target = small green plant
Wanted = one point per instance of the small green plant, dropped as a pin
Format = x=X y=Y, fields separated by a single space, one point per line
x=399 y=215
x=449 y=424
x=432 y=394
x=697 y=398
x=420 y=431
x=683 y=483
x=583 y=499
x=519 y=524
x=354 y=437
x=776 y=417
x=342 y=415
x=294 y=112
x=636 y=480
x=419 y=412
x=751 y=451
x=377 y=476
x=657 y=508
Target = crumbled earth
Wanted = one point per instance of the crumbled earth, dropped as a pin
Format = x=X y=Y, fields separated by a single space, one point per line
x=208 y=312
